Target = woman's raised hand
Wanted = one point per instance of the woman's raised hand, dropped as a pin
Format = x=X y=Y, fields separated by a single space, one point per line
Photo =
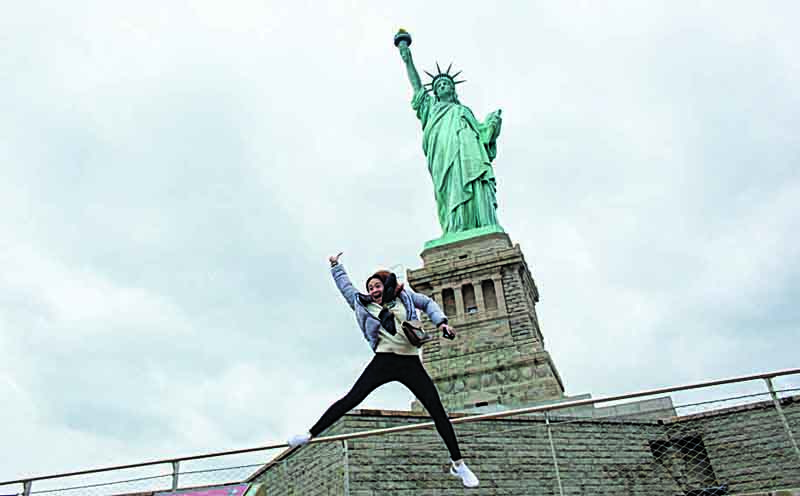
x=334 y=259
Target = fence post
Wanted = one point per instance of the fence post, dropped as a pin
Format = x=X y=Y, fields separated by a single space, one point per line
x=778 y=407
x=175 y=470
x=26 y=488
x=346 y=468
x=553 y=452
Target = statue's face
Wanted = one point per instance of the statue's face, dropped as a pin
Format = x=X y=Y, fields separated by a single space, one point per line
x=444 y=89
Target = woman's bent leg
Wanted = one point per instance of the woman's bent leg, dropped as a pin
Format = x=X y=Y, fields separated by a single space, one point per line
x=417 y=380
x=374 y=376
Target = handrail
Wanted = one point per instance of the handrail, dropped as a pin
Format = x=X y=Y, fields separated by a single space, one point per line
x=425 y=425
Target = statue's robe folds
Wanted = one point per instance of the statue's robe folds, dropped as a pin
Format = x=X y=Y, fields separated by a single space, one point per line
x=459 y=150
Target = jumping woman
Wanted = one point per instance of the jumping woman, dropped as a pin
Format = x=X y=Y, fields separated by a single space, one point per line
x=380 y=314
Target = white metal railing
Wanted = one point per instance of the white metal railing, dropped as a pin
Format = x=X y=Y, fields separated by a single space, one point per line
x=669 y=450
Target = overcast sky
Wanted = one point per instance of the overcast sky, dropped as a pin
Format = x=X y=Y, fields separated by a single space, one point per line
x=173 y=176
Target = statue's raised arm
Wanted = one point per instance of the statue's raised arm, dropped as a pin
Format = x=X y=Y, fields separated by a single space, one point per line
x=402 y=40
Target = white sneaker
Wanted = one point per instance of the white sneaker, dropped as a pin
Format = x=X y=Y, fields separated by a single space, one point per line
x=299 y=439
x=465 y=474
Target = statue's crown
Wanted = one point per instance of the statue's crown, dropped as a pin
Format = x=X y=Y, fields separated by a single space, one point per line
x=440 y=74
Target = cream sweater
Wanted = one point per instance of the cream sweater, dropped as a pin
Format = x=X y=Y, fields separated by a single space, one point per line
x=398 y=343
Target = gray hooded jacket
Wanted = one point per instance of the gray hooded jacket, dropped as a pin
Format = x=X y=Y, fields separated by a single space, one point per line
x=369 y=324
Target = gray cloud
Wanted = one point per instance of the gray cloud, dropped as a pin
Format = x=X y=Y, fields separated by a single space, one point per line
x=174 y=177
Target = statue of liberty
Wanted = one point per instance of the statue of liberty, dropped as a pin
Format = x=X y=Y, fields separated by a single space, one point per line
x=459 y=149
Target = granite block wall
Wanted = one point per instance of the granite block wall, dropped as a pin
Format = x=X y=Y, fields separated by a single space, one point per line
x=499 y=356
x=747 y=446
x=316 y=470
x=746 y=450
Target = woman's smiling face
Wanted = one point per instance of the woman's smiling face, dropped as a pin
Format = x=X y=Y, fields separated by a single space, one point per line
x=375 y=290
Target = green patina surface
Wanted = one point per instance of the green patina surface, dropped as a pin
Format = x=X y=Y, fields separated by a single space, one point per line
x=459 y=150
x=453 y=237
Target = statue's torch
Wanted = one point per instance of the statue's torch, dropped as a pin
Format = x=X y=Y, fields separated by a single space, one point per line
x=402 y=39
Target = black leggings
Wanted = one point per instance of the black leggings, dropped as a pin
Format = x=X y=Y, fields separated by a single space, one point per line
x=407 y=370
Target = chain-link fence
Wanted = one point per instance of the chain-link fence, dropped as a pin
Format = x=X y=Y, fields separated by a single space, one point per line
x=731 y=437
x=724 y=440
x=730 y=445
x=153 y=478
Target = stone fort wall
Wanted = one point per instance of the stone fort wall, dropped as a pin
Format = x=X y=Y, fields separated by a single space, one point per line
x=745 y=449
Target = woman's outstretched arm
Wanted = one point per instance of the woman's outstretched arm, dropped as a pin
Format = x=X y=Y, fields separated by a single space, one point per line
x=430 y=307
x=342 y=280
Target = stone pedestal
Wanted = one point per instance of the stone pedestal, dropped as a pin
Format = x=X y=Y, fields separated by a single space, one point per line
x=486 y=289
